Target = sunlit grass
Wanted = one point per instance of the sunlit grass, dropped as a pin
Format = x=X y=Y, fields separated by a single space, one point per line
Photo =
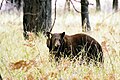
x=13 y=48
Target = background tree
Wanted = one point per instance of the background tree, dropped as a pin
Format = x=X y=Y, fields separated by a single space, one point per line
x=115 y=5
x=85 y=16
x=67 y=6
x=98 y=7
x=1 y=77
x=36 y=16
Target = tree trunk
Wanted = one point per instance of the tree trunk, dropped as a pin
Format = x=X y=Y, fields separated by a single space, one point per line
x=85 y=16
x=115 y=5
x=98 y=7
x=1 y=77
x=36 y=16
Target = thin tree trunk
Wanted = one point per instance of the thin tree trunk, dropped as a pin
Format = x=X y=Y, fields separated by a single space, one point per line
x=85 y=16
x=1 y=77
x=98 y=7
x=67 y=6
x=36 y=16
x=1 y=4
x=115 y=5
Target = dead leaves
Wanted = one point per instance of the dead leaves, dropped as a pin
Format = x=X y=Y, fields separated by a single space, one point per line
x=104 y=47
x=23 y=65
x=53 y=74
x=88 y=76
x=29 y=77
x=74 y=78
x=110 y=76
x=32 y=36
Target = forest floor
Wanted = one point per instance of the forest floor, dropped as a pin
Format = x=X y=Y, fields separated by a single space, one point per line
x=29 y=59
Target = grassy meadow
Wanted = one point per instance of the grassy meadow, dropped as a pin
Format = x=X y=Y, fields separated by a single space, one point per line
x=29 y=59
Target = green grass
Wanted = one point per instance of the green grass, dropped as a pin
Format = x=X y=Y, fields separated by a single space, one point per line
x=13 y=48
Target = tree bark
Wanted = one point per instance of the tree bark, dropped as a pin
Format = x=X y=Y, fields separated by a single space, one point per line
x=98 y=7
x=1 y=77
x=36 y=16
x=85 y=16
x=115 y=5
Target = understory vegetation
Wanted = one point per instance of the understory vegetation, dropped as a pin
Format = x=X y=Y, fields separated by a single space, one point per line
x=29 y=59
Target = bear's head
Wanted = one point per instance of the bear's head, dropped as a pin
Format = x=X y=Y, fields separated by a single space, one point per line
x=55 y=41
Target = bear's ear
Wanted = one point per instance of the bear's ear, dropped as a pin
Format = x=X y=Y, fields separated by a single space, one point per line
x=62 y=34
x=48 y=34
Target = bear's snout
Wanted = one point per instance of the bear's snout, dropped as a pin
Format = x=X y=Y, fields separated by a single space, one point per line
x=57 y=43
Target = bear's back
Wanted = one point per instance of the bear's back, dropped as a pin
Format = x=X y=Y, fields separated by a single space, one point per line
x=79 y=39
x=78 y=42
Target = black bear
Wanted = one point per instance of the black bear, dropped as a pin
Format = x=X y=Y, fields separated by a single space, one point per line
x=73 y=46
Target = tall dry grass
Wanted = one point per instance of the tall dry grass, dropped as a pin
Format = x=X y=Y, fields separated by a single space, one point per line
x=29 y=60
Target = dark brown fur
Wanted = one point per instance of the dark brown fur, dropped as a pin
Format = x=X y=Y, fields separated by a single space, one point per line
x=73 y=46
